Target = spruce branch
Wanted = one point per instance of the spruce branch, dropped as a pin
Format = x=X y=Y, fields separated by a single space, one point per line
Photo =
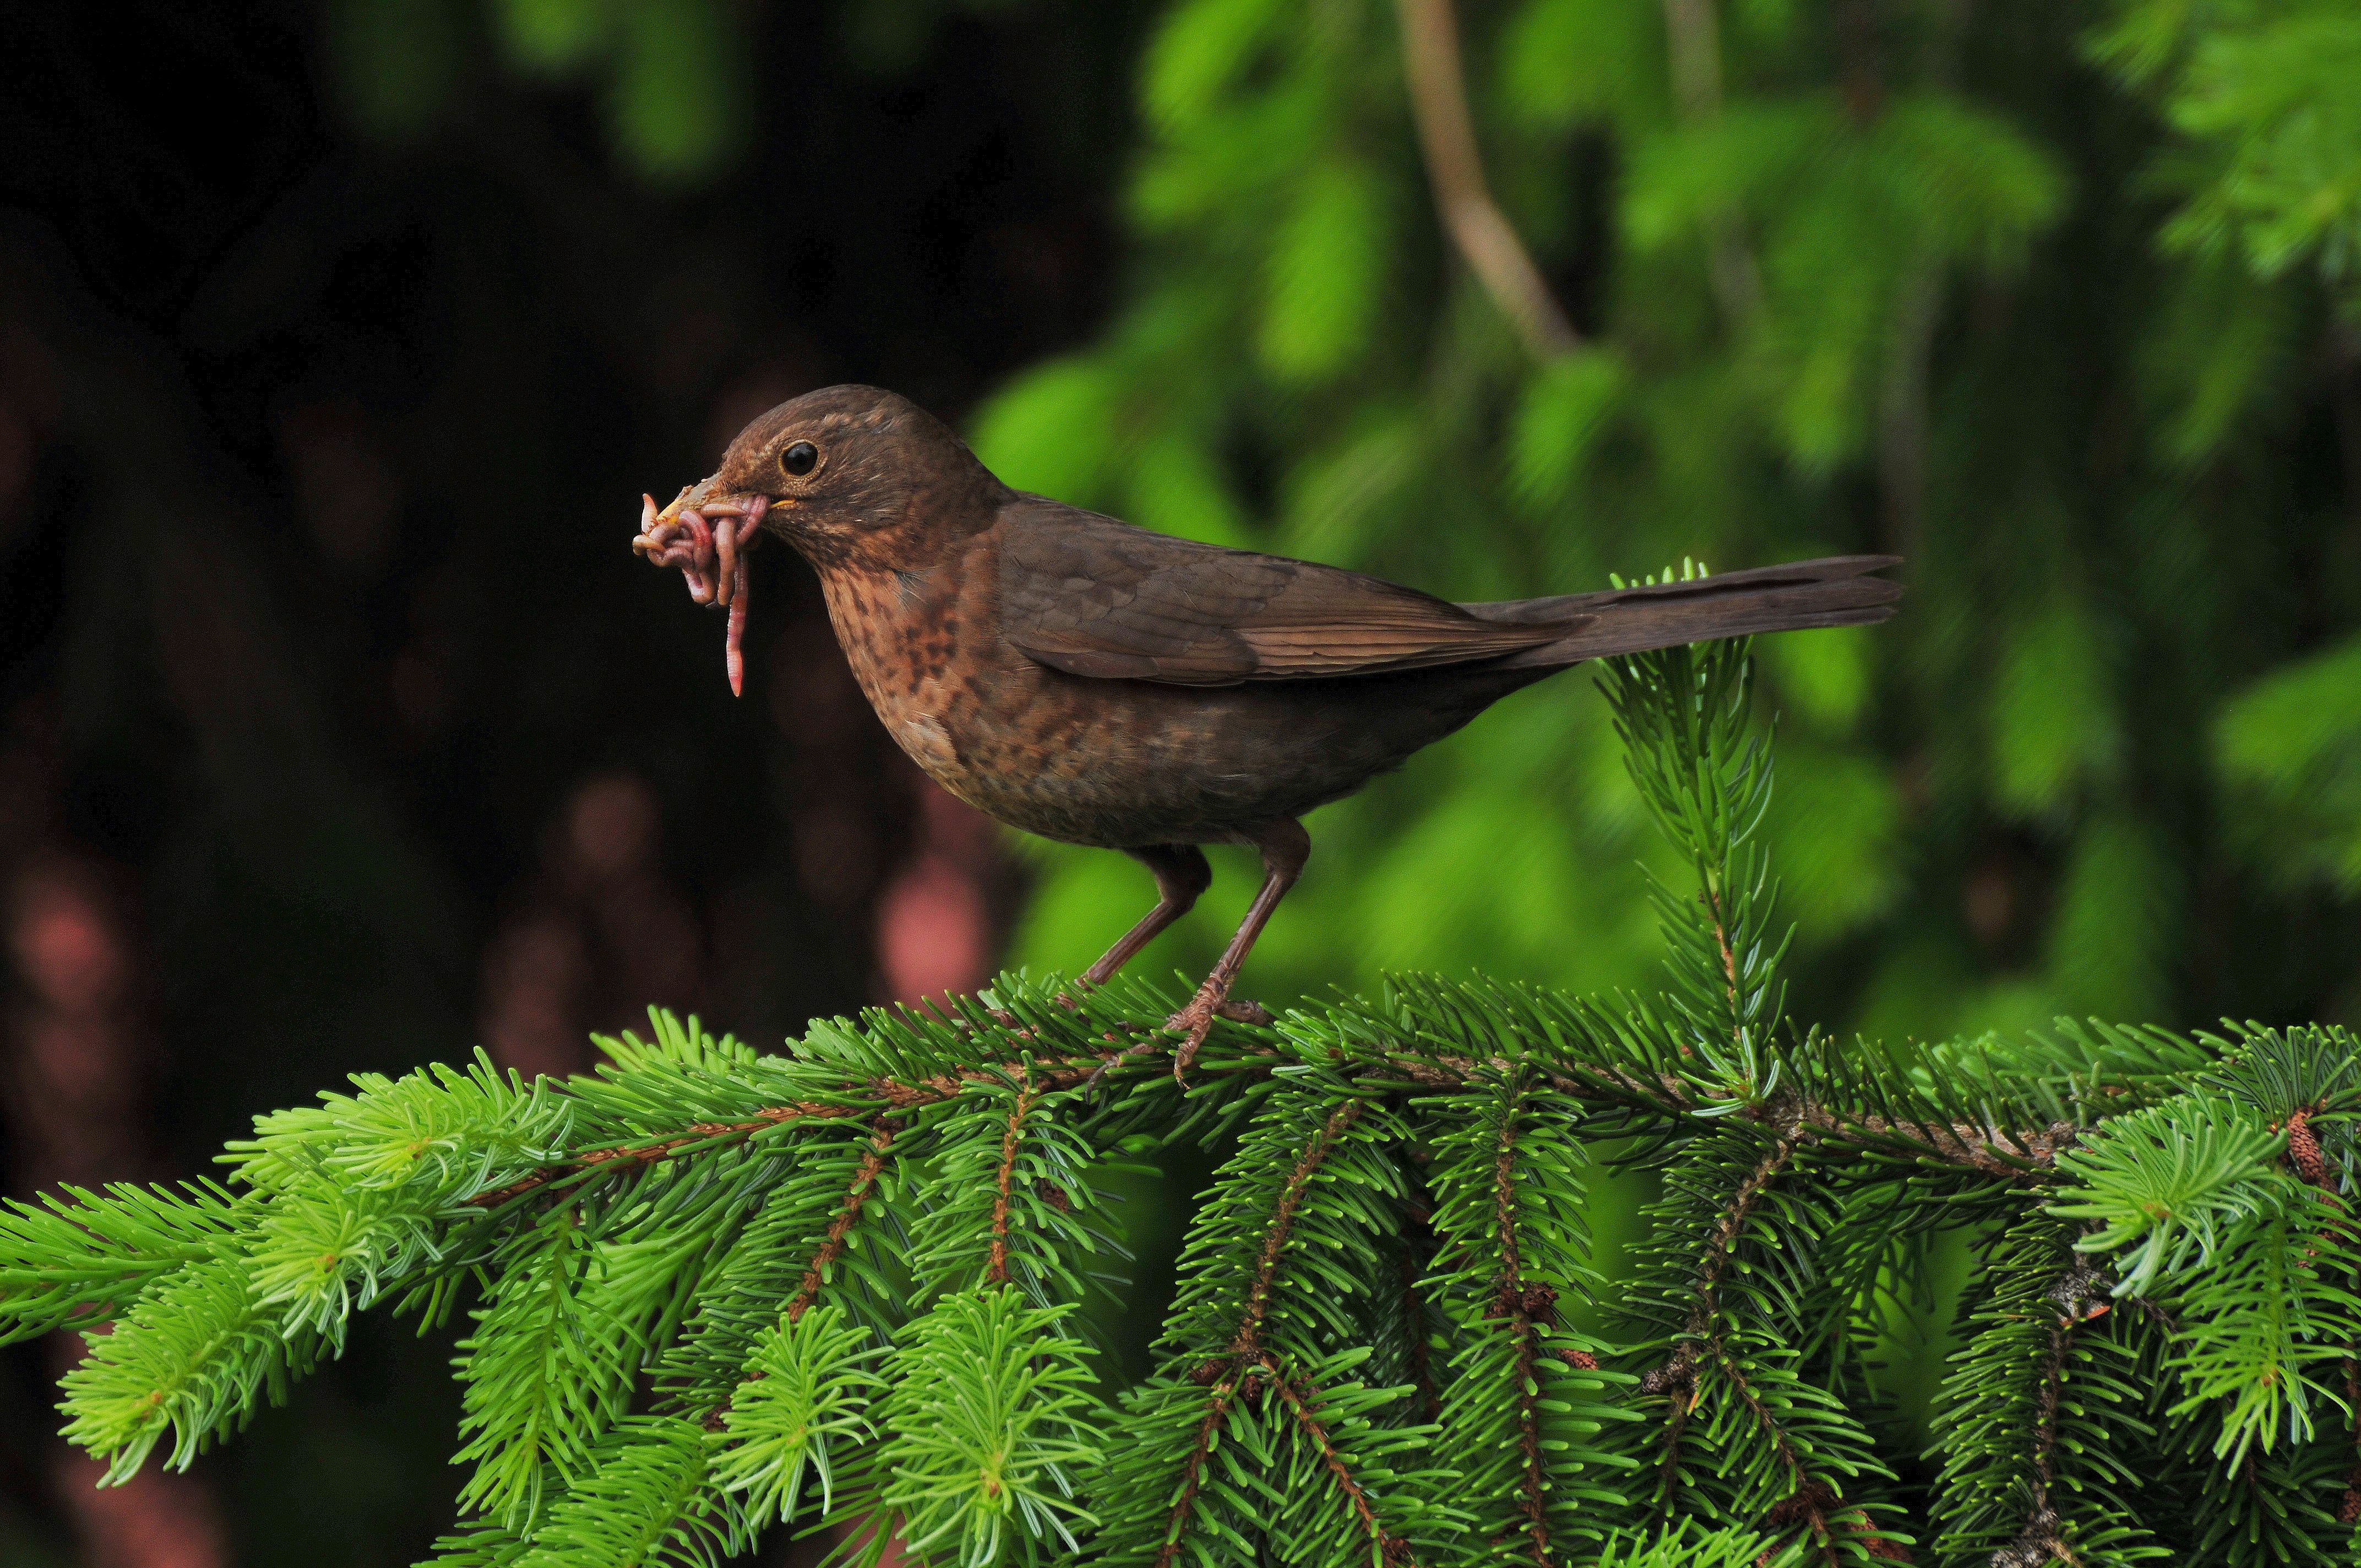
x=75 y=1254
x=1235 y=1366
x=1527 y=1405
x=711 y=1291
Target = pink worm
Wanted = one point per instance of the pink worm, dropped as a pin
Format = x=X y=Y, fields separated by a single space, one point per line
x=712 y=556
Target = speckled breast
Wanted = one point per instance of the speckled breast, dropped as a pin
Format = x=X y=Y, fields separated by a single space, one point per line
x=1105 y=762
x=1111 y=762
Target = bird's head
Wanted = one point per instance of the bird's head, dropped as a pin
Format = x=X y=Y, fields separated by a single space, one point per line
x=855 y=478
x=849 y=475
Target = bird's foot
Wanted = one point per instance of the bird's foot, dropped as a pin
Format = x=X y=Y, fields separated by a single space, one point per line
x=1195 y=1022
x=1192 y=1023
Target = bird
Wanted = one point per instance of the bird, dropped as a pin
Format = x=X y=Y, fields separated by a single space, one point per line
x=1086 y=680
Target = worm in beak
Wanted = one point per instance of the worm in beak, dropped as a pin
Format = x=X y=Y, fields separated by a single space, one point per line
x=708 y=541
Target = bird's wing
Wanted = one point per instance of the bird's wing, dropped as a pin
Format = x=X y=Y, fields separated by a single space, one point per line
x=1090 y=596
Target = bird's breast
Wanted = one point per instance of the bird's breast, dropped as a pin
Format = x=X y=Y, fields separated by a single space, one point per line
x=908 y=637
x=1115 y=763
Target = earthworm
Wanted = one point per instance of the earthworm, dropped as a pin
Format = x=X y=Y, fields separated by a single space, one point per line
x=711 y=556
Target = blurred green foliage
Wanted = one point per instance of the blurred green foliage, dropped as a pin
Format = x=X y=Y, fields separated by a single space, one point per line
x=674 y=74
x=2060 y=304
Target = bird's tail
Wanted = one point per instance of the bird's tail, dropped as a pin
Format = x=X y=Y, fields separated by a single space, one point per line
x=1836 y=591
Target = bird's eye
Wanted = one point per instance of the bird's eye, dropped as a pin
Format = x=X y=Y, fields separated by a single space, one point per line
x=800 y=459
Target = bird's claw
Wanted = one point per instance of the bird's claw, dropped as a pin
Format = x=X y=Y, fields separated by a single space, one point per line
x=1195 y=1022
x=1192 y=1023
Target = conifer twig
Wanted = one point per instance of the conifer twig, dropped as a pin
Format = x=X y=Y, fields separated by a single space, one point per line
x=1247 y=1346
x=1392 y=1548
x=1678 y=1376
x=1192 y=1476
x=856 y=1197
x=1517 y=1305
x=996 y=1266
x=2041 y=1539
x=2004 y=1153
x=1245 y=1349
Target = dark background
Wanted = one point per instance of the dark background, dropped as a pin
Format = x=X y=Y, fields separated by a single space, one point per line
x=338 y=728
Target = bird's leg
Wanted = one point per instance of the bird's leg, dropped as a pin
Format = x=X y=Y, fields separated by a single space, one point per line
x=1285 y=847
x=1181 y=874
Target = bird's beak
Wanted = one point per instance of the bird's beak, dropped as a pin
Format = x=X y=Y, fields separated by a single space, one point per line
x=705 y=531
x=692 y=498
x=672 y=512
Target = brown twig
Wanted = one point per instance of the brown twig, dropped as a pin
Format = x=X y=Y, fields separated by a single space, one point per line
x=1438 y=96
x=832 y=1247
x=1392 y=1548
x=2073 y=1293
x=893 y=1094
x=2007 y=1154
x=1192 y=1476
x=997 y=1270
x=696 y=1136
x=1247 y=1346
x=848 y=1214
x=1519 y=1305
x=1713 y=909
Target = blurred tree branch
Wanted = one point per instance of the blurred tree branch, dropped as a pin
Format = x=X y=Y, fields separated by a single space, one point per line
x=1693 y=33
x=1438 y=96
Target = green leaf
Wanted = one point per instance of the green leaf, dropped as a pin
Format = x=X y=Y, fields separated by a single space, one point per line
x=680 y=89
x=2052 y=710
x=554 y=36
x=1056 y=430
x=2291 y=743
x=1326 y=273
x=1200 y=50
x=1568 y=404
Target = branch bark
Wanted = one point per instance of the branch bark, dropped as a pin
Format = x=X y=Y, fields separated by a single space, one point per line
x=1447 y=136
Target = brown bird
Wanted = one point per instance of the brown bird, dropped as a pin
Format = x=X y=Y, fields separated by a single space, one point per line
x=1089 y=681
